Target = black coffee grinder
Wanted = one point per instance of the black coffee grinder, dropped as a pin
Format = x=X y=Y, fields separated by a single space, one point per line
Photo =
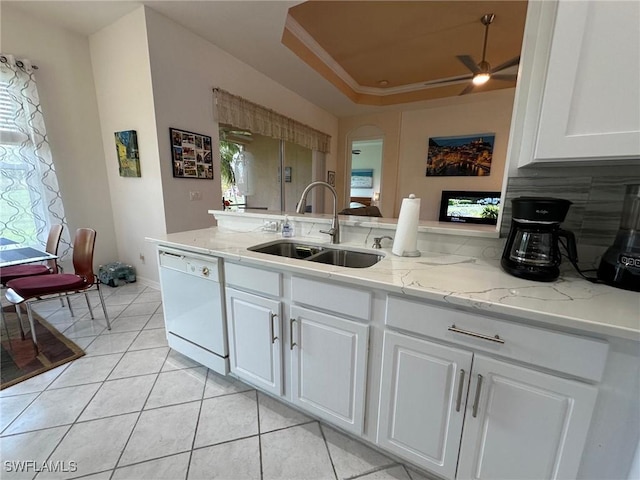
x=532 y=248
x=620 y=265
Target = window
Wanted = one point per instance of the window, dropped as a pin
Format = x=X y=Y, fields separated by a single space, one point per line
x=30 y=200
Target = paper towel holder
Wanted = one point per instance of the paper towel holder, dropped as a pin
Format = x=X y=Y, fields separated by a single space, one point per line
x=412 y=204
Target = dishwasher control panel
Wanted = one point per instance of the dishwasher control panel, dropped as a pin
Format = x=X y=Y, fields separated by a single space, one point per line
x=187 y=262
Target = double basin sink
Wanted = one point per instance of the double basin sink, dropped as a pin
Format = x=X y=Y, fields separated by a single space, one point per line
x=318 y=253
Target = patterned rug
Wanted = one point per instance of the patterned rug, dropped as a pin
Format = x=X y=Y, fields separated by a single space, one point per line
x=18 y=361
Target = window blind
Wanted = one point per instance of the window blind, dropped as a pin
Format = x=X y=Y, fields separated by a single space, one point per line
x=243 y=114
x=9 y=132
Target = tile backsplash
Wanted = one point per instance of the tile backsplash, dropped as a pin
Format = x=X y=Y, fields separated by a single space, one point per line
x=594 y=216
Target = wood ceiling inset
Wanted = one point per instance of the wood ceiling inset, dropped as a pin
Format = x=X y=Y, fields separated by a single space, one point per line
x=382 y=52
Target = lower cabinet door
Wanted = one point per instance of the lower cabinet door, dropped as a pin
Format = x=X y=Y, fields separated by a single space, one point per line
x=422 y=401
x=255 y=343
x=523 y=424
x=329 y=366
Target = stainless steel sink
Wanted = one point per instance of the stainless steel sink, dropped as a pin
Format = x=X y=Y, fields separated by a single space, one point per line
x=285 y=248
x=346 y=258
x=317 y=253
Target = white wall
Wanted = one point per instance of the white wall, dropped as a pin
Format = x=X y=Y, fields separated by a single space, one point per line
x=185 y=68
x=489 y=114
x=67 y=95
x=125 y=99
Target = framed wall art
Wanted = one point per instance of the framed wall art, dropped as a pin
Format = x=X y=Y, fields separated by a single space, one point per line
x=128 y=155
x=191 y=154
x=362 y=178
x=466 y=155
x=331 y=178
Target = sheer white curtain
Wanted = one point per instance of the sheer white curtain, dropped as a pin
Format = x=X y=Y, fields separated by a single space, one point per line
x=30 y=200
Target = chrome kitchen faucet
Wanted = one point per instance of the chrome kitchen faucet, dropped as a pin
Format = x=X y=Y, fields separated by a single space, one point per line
x=334 y=231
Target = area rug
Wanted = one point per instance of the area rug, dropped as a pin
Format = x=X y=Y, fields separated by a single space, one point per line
x=18 y=361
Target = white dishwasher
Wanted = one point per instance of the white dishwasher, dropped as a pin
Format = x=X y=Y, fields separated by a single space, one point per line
x=193 y=304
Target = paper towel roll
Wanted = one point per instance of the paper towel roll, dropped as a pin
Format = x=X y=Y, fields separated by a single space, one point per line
x=405 y=243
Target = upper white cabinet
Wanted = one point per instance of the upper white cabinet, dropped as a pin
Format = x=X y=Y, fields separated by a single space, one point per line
x=580 y=92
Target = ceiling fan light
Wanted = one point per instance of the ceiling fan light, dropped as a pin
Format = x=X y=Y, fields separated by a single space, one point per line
x=481 y=78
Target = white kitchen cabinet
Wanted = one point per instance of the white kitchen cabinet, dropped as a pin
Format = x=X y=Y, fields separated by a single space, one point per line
x=328 y=367
x=518 y=423
x=580 y=89
x=458 y=395
x=255 y=339
x=423 y=393
x=521 y=423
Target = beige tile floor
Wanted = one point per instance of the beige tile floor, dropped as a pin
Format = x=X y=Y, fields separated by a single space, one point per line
x=134 y=409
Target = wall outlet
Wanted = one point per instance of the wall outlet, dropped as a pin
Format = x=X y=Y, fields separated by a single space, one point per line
x=195 y=196
x=142 y=258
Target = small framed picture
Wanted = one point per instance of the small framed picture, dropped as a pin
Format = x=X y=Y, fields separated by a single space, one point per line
x=287 y=174
x=331 y=178
x=191 y=154
x=128 y=155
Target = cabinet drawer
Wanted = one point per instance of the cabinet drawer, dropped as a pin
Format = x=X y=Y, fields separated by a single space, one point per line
x=254 y=279
x=575 y=355
x=342 y=300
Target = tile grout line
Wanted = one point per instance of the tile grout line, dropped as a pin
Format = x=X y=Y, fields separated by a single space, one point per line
x=135 y=424
x=195 y=432
x=259 y=435
x=326 y=444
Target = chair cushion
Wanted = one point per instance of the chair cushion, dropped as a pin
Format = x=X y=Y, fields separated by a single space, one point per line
x=29 y=287
x=17 y=271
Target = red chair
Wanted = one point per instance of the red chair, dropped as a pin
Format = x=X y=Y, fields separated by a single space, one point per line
x=30 y=270
x=46 y=287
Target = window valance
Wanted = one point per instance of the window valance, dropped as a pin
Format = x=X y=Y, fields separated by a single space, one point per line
x=243 y=114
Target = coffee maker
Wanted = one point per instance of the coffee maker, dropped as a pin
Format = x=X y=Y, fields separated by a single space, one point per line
x=620 y=265
x=532 y=248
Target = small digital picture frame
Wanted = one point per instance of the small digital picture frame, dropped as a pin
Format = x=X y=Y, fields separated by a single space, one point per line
x=470 y=207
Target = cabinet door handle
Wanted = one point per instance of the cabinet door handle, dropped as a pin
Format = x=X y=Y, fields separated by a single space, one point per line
x=273 y=335
x=495 y=338
x=291 y=342
x=477 y=399
x=460 y=388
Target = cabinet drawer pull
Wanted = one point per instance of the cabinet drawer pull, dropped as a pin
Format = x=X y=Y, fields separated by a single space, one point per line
x=460 y=388
x=274 y=337
x=495 y=338
x=291 y=342
x=477 y=399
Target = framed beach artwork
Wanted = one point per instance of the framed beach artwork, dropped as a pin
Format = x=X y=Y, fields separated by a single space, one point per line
x=362 y=178
x=191 y=154
x=466 y=155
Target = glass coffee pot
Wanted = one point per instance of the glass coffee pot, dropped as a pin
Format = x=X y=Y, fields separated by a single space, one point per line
x=532 y=248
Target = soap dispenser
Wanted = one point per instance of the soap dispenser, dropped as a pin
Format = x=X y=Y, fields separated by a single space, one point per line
x=287 y=228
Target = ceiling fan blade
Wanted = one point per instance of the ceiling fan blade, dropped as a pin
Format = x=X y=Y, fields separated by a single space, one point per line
x=468 y=89
x=446 y=81
x=507 y=64
x=508 y=78
x=469 y=63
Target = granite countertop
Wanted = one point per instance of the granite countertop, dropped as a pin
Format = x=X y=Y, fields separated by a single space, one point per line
x=570 y=302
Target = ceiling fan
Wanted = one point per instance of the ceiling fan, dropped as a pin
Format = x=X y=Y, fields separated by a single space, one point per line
x=482 y=72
